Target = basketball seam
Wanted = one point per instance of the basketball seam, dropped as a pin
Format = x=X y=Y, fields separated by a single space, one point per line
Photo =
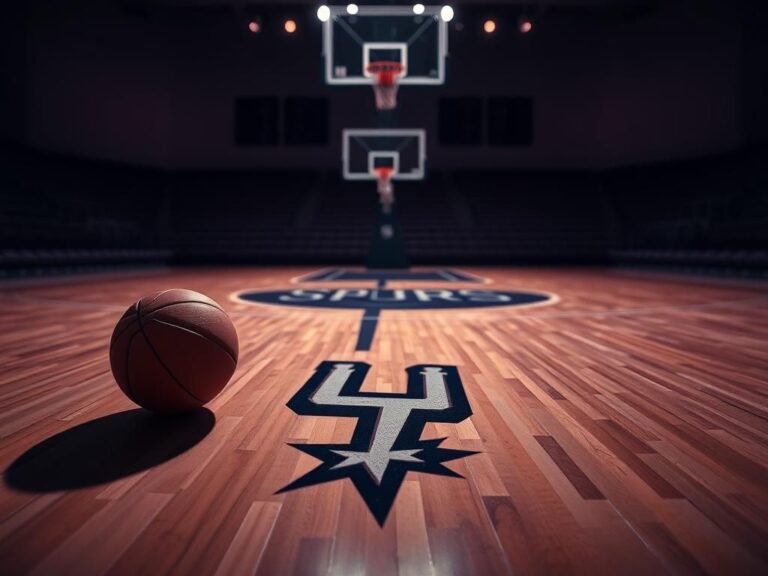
x=116 y=337
x=212 y=341
x=130 y=392
x=157 y=356
x=164 y=306
x=157 y=296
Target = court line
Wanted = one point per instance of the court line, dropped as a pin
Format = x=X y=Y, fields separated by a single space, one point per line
x=367 y=330
x=331 y=273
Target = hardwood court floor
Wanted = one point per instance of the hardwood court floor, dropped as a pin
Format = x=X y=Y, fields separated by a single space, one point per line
x=621 y=430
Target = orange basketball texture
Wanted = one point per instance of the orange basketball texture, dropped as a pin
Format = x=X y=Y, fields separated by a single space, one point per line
x=173 y=351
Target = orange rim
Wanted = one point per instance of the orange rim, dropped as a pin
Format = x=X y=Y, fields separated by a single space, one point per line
x=386 y=71
x=384 y=173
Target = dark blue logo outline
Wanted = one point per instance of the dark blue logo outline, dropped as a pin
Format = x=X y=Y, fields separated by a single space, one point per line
x=380 y=497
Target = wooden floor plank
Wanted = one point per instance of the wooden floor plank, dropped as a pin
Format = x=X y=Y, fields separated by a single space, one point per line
x=621 y=429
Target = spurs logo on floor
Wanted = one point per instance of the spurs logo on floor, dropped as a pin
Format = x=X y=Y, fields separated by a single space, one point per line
x=380 y=299
x=385 y=443
x=374 y=301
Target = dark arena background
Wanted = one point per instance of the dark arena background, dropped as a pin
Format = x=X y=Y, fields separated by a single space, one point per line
x=389 y=288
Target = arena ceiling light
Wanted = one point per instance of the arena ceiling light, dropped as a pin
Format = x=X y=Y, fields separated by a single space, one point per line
x=323 y=13
x=525 y=24
x=352 y=9
x=418 y=9
x=489 y=26
x=446 y=13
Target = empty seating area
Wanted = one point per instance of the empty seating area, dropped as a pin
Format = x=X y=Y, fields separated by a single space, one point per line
x=233 y=217
x=267 y=217
x=342 y=222
x=711 y=212
x=701 y=215
x=432 y=229
x=61 y=215
x=517 y=217
x=53 y=202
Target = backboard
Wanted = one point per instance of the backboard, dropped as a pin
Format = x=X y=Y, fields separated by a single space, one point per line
x=391 y=33
x=403 y=150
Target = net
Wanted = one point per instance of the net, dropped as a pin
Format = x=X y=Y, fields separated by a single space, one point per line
x=386 y=193
x=385 y=77
x=384 y=176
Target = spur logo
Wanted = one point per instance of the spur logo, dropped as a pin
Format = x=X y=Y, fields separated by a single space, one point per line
x=385 y=444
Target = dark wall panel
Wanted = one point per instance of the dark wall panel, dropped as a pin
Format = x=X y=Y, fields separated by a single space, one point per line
x=305 y=121
x=13 y=81
x=610 y=88
x=256 y=121
x=461 y=121
x=510 y=121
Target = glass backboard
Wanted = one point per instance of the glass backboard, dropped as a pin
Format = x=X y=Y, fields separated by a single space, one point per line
x=385 y=33
x=365 y=150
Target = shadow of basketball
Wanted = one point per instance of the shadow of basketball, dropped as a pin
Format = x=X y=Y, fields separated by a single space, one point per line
x=107 y=449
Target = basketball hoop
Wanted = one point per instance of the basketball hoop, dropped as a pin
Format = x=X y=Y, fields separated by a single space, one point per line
x=385 y=76
x=386 y=193
x=384 y=176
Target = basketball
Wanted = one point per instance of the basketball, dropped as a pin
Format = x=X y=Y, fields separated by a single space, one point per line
x=173 y=351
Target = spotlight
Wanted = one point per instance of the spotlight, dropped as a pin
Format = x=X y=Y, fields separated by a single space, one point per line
x=418 y=9
x=352 y=9
x=254 y=27
x=290 y=26
x=323 y=13
x=489 y=26
x=524 y=24
x=446 y=13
